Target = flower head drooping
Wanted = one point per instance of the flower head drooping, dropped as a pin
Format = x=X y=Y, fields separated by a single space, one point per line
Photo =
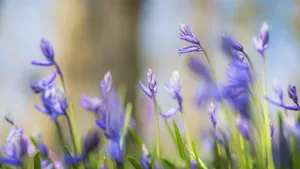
x=145 y=159
x=292 y=92
x=262 y=41
x=151 y=90
x=48 y=52
x=187 y=35
x=90 y=104
x=229 y=44
x=43 y=84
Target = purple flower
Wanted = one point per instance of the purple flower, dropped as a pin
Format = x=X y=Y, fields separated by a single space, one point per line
x=272 y=129
x=187 y=34
x=243 y=127
x=278 y=91
x=47 y=49
x=90 y=104
x=292 y=92
x=9 y=120
x=229 y=44
x=43 y=84
x=91 y=142
x=151 y=90
x=171 y=112
x=145 y=159
x=106 y=84
x=262 y=41
x=71 y=160
x=114 y=151
x=212 y=114
x=42 y=148
x=217 y=136
x=189 y=49
x=15 y=150
x=174 y=87
x=54 y=102
x=48 y=52
x=200 y=69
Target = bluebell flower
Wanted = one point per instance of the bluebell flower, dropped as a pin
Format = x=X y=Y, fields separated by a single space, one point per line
x=229 y=44
x=90 y=142
x=292 y=92
x=145 y=159
x=114 y=151
x=106 y=84
x=262 y=41
x=54 y=102
x=71 y=160
x=43 y=84
x=174 y=90
x=217 y=136
x=15 y=150
x=48 y=52
x=151 y=90
x=90 y=104
x=243 y=127
x=187 y=34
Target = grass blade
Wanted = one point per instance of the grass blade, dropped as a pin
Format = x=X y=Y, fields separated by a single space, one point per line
x=134 y=162
x=37 y=161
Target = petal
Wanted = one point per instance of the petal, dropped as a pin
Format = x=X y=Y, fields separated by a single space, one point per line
x=10 y=161
x=189 y=49
x=145 y=90
x=171 y=112
x=42 y=63
x=190 y=39
x=42 y=109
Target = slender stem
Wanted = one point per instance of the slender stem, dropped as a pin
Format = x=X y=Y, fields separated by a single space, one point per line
x=70 y=113
x=157 y=128
x=71 y=133
x=210 y=63
x=60 y=135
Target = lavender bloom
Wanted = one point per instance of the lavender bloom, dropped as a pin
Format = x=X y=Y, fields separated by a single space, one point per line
x=43 y=84
x=189 y=49
x=54 y=102
x=243 y=126
x=187 y=34
x=145 y=159
x=48 y=52
x=212 y=114
x=91 y=142
x=262 y=41
x=229 y=44
x=90 y=104
x=15 y=150
x=292 y=92
x=151 y=90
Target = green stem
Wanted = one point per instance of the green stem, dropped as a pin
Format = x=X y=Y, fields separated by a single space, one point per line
x=187 y=133
x=157 y=128
x=71 y=133
x=210 y=63
x=60 y=135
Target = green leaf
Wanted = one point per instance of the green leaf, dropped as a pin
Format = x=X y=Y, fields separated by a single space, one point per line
x=134 y=162
x=200 y=163
x=179 y=142
x=122 y=90
x=73 y=126
x=135 y=136
x=129 y=107
x=168 y=164
x=37 y=161
x=34 y=142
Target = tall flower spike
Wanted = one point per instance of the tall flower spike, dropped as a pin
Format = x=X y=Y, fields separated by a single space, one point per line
x=151 y=90
x=187 y=34
x=262 y=40
x=292 y=92
x=48 y=52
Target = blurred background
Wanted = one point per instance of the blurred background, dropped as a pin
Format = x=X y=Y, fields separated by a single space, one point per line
x=127 y=37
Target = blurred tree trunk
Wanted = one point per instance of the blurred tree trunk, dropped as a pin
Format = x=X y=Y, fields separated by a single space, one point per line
x=96 y=37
